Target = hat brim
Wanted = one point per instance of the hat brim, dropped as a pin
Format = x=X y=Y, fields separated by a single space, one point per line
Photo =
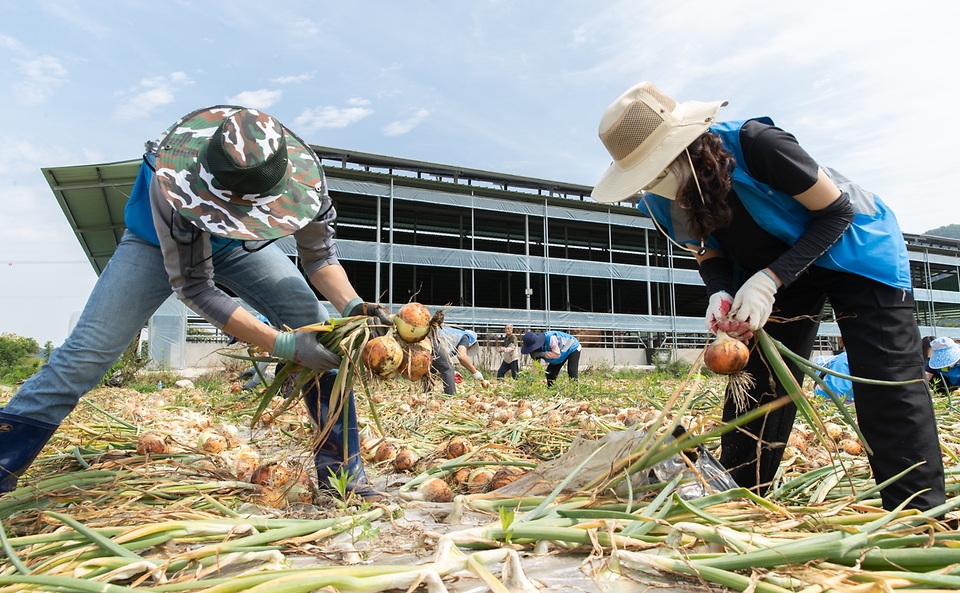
x=623 y=180
x=192 y=191
x=473 y=350
x=538 y=340
x=945 y=357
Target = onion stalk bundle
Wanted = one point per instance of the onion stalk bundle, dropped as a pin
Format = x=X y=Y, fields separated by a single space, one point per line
x=353 y=340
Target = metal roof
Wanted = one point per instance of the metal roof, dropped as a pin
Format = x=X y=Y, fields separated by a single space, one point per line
x=92 y=197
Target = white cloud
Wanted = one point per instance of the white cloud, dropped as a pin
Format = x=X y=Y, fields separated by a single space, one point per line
x=76 y=15
x=292 y=79
x=306 y=27
x=334 y=117
x=150 y=94
x=260 y=99
x=394 y=67
x=42 y=76
x=13 y=45
x=580 y=34
x=19 y=156
x=403 y=126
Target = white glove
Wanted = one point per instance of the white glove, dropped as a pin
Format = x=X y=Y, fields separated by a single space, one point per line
x=754 y=300
x=478 y=376
x=720 y=303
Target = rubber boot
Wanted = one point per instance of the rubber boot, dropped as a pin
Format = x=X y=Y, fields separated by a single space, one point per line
x=329 y=455
x=21 y=440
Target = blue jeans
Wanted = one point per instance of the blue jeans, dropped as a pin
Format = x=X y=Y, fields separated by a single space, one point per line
x=131 y=288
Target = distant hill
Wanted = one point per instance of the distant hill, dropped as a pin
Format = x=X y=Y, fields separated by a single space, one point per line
x=951 y=231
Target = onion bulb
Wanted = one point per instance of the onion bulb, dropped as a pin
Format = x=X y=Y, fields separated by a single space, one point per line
x=412 y=322
x=480 y=480
x=385 y=452
x=151 y=442
x=506 y=475
x=405 y=460
x=435 y=490
x=383 y=356
x=458 y=446
x=211 y=442
x=726 y=355
x=416 y=362
x=270 y=474
x=850 y=447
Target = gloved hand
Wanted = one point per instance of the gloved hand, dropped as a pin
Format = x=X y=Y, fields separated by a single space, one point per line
x=754 y=300
x=478 y=376
x=304 y=349
x=379 y=321
x=720 y=303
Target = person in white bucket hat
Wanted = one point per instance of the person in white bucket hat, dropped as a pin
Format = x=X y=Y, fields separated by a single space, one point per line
x=773 y=231
x=945 y=362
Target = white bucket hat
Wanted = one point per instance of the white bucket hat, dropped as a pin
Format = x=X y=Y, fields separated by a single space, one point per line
x=946 y=353
x=644 y=131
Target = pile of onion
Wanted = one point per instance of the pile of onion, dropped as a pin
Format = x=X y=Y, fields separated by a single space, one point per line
x=405 y=350
x=726 y=355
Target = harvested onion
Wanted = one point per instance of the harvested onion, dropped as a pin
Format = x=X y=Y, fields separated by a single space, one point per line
x=211 y=442
x=458 y=446
x=383 y=356
x=726 y=355
x=412 y=322
x=435 y=490
x=506 y=475
x=151 y=442
x=405 y=460
x=416 y=361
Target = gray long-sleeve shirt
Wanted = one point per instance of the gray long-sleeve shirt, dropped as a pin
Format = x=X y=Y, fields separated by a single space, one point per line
x=188 y=256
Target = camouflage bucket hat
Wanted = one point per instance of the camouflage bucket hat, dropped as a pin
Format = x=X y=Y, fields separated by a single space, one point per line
x=238 y=173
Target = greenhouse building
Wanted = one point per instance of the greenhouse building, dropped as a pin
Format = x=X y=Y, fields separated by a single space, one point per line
x=492 y=248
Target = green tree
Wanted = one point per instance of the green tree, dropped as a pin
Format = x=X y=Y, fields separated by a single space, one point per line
x=14 y=349
x=950 y=231
x=47 y=350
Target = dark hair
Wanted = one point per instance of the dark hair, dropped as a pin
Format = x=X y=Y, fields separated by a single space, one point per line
x=714 y=170
x=925 y=345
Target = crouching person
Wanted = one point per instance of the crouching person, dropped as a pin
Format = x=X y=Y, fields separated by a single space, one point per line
x=223 y=181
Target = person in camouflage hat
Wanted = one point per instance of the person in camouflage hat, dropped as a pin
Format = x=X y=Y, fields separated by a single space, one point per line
x=211 y=196
x=238 y=173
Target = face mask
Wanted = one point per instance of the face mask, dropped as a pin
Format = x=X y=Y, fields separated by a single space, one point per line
x=667 y=184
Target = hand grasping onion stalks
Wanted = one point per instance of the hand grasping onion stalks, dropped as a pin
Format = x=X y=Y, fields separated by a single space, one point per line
x=405 y=350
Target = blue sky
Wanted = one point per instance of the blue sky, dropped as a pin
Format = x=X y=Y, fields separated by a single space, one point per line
x=515 y=87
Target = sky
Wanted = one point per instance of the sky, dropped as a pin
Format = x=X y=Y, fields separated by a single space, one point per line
x=509 y=86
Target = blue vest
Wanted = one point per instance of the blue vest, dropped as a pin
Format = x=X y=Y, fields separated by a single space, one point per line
x=451 y=337
x=873 y=246
x=138 y=217
x=951 y=375
x=843 y=388
x=568 y=345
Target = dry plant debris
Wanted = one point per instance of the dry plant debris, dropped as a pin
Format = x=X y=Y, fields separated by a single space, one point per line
x=173 y=490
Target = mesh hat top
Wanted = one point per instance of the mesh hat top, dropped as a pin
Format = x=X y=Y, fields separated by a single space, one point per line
x=644 y=130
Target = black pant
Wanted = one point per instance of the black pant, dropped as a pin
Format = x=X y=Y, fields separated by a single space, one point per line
x=882 y=342
x=512 y=367
x=573 y=368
